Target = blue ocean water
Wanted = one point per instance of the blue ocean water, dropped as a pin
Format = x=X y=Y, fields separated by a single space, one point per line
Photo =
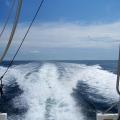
x=58 y=90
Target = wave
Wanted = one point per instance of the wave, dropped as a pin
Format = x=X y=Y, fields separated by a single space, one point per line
x=46 y=89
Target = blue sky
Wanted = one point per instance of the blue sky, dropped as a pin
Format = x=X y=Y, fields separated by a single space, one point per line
x=66 y=29
x=86 y=11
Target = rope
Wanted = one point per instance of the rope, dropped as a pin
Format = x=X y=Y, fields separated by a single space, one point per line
x=13 y=29
x=117 y=84
x=39 y=8
x=118 y=74
x=7 y=19
x=112 y=106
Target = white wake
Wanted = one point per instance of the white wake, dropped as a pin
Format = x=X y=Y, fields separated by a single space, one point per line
x=47 y=92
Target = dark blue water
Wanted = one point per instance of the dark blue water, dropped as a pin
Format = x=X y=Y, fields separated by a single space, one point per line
x=44 y=89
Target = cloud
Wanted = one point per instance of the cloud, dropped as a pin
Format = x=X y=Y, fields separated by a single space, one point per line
x=35 y=51
x=68 y=35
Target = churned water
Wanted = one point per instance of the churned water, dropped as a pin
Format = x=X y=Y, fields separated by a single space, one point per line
x=58 y=90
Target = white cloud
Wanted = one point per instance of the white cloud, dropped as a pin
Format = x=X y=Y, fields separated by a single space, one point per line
x=69 y=35
x=35 y=51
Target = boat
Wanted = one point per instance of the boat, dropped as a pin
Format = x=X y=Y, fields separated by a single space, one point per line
x=3 y=116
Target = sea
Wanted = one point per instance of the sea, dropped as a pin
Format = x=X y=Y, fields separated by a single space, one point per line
x=58 y=90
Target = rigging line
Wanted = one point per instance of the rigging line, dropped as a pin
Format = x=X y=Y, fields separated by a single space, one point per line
x=39 y=8
x=111 y=107
x=118 y=74
x=117 y=84
x=13 y=29
x=7 y=19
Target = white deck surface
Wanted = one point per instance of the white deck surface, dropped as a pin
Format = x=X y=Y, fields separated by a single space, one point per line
x=3 y=116
x=101 y=116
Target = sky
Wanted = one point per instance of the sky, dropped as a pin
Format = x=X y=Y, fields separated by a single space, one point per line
x=65 y=30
